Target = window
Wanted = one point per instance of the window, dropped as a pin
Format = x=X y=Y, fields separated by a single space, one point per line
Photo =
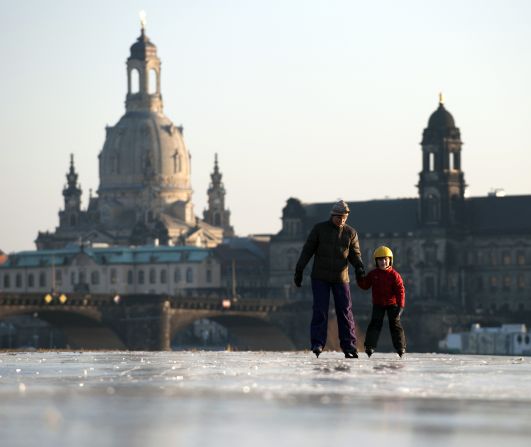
x=520 y=258
x=209 y=276
x=177 y=275
x=520 y=282
x=479 y=284
x=59 y=278
x=141 y=277
x=163 y=277
x=42 y=279
x=130 y=277
x=506 y=258
x=31 y=280
x=18 y=281
x=493 y=283
x=152 y=81
x=452 y=161
x=189 y=275
x=493 y=258
x=95 y=277
x=7 y=282
x=507 y=280
x=176 y=162
x=430 y=286
x=72 y=277
x=152 y=276
x=431 y=162
x=114 y=276
x=135 y=81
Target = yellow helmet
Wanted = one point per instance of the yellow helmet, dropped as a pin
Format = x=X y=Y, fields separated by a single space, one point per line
x=383 y=252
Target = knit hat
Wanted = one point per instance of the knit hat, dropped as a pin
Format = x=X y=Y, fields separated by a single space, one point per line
x=340 y=208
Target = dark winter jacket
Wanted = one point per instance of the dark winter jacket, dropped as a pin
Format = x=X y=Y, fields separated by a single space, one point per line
x=387 y=287
x=334 y=247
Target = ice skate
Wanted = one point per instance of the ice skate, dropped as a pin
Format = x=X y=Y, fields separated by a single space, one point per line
x=317 y=349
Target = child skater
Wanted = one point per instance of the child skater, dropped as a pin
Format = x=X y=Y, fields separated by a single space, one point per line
x=388 y=295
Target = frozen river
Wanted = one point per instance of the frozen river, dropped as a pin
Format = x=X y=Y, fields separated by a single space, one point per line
x=262 y=399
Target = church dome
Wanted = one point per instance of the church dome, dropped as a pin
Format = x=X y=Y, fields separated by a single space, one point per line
x=144 y=163
x=145 y=147
x=441 y=119
x=440 y=125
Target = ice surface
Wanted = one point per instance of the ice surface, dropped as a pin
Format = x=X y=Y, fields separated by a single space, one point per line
x=262 y=399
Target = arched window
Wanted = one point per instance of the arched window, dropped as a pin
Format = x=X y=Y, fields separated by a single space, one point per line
x=431 y=166
x=18 y=280
x=176 y=162
x=135 y=81
x=432 y=208
x=95 y=277
x=152 y=276
x=153 y=81
x=42 y=279
x=31 y=280
x=217 y=220
x=129 y=277
x=189 y=275
x=72 y=220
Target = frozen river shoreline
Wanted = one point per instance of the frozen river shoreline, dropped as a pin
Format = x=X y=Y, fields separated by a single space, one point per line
x=262 y=398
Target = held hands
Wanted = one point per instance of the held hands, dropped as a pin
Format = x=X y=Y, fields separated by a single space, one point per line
x=360 y=271
x=297 y=279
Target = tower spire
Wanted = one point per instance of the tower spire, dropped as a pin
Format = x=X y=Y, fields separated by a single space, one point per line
x=216 y=214
x=143 y=74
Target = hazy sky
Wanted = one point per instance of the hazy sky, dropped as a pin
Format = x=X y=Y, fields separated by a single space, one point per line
x=311 y=99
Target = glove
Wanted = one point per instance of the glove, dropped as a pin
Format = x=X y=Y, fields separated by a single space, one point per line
x=297 y=279
x=360 y=271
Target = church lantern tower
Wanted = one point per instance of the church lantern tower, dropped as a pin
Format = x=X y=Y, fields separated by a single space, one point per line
x=441 y=184
x=216 y=214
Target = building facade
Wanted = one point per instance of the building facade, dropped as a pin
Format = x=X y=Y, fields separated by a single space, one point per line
x=146 y=270
x=145 y=191
x=453 y=251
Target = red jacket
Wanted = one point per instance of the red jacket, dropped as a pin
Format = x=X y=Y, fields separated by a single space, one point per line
x=387 y=287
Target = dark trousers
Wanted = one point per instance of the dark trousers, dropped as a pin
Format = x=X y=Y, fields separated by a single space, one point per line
x=375 y=326
x=345 y=320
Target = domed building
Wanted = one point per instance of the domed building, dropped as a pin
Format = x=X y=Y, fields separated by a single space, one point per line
x=145 y=191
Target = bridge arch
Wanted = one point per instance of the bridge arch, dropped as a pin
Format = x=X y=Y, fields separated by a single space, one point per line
x=82 y=328
x=245 y=332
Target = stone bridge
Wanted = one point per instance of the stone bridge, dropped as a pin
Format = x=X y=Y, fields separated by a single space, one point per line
x=150 y=322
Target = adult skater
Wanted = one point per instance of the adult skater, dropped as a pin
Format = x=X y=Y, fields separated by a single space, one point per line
x=334 y=245
x=388 y=295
